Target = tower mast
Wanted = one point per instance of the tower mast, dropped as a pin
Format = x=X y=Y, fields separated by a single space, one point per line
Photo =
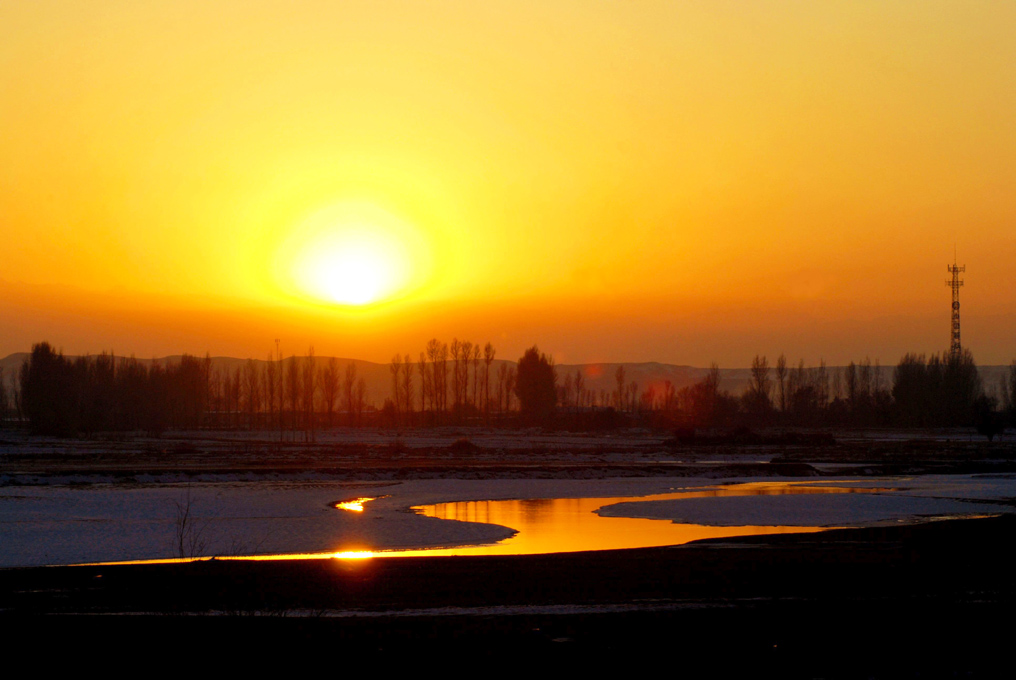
x=955 y=349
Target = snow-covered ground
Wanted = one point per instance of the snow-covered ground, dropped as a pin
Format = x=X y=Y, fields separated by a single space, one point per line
x=891 y=500
x=68 y=524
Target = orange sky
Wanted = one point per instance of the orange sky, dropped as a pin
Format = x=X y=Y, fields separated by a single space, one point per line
x=682 y=182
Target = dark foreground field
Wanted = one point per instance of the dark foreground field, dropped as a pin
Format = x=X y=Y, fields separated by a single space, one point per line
x=917 y=600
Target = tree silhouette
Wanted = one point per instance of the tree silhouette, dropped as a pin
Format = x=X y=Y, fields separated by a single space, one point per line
x=395 y=368
x=441 y=383
x=619 y=392
x=269 y=378
x=580 y=388
x=293 y=391
x=937 y=392
x=251 y=392
x=456 y=349
x=756 y=399
x=330 y=387
x=781 y=382
x=962 y=388
x=502 y=388
x=348 y=384
x=407 y=387
x=360 y=399
x=425 y=383
x=488 y=359
x=1010 y=379
x=4 y=402
x=47 y=392
x=536 y=385
x=476 y=375
x=308 y=394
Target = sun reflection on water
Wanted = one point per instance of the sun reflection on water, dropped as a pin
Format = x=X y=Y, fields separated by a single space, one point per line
x=354 y=505
x=557 y=525
x=354 y=555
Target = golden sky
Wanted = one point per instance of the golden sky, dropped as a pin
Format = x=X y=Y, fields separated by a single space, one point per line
x=626 y=181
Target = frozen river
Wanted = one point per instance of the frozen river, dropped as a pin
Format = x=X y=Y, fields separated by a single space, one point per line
x=58 y=524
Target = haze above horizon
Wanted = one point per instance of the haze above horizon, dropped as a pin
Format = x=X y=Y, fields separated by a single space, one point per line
x=683 y=183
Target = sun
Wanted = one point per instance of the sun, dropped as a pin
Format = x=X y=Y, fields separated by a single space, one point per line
x=352 y=266
x=352 y=255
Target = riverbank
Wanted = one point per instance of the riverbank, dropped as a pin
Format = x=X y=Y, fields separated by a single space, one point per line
x=896 y=600
x=887 y=601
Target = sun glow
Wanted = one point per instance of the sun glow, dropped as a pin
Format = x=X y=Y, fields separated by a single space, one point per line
x=352 y=254
x=352 y=267
x=355 y=505
x=353 y=555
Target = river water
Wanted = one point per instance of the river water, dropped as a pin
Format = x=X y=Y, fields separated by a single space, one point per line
x=260 y=520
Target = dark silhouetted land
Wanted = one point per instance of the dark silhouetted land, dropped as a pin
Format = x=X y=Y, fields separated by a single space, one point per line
x=878 y=602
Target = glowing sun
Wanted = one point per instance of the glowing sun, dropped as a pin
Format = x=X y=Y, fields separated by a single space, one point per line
x=352 y=266
x=352 y=254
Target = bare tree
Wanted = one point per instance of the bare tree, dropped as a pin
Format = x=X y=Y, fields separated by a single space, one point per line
x=669 y=397
x=293 y=391
x=852 y=386
x=1012 y=386
x=1004 y=396
x=4 y=402
x=467 y=355
x=865 y=393
x=761 y=385
x=189 y=533
x=442 y=364
x=269 y=378
x=822 y=384
x=510 y=383
x=476 y=375
x=702 y=397
x=837 y=388
x=456 y=352
x=251 y=393
x=425 y=382
x=330 y=387
x=280 y=379
x=435 y=386
x=360 y=399
x=395 y=367
x=781 y=382
x=864 y=379
x=234 y=391
x=566 y=391
x=647 y=400
x=18 y=392
x=407 y=387
x=309 y=394
x=619 y=392
x=347 y=386
x=633 y=396
x=206 y=387
x=502 y=387
x=488 y=359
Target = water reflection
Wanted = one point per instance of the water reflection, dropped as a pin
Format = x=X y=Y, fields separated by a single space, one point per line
x=354 y=505
x=572 y=525
x=554 y=525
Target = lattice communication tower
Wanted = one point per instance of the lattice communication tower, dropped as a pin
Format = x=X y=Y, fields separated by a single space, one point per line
x=955 y=348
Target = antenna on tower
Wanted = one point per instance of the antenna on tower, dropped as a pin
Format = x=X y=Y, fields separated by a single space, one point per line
x=955 y=349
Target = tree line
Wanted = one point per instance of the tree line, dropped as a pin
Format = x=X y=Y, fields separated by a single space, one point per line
x=457 y=382
x=294 y=396
x=921 y=391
